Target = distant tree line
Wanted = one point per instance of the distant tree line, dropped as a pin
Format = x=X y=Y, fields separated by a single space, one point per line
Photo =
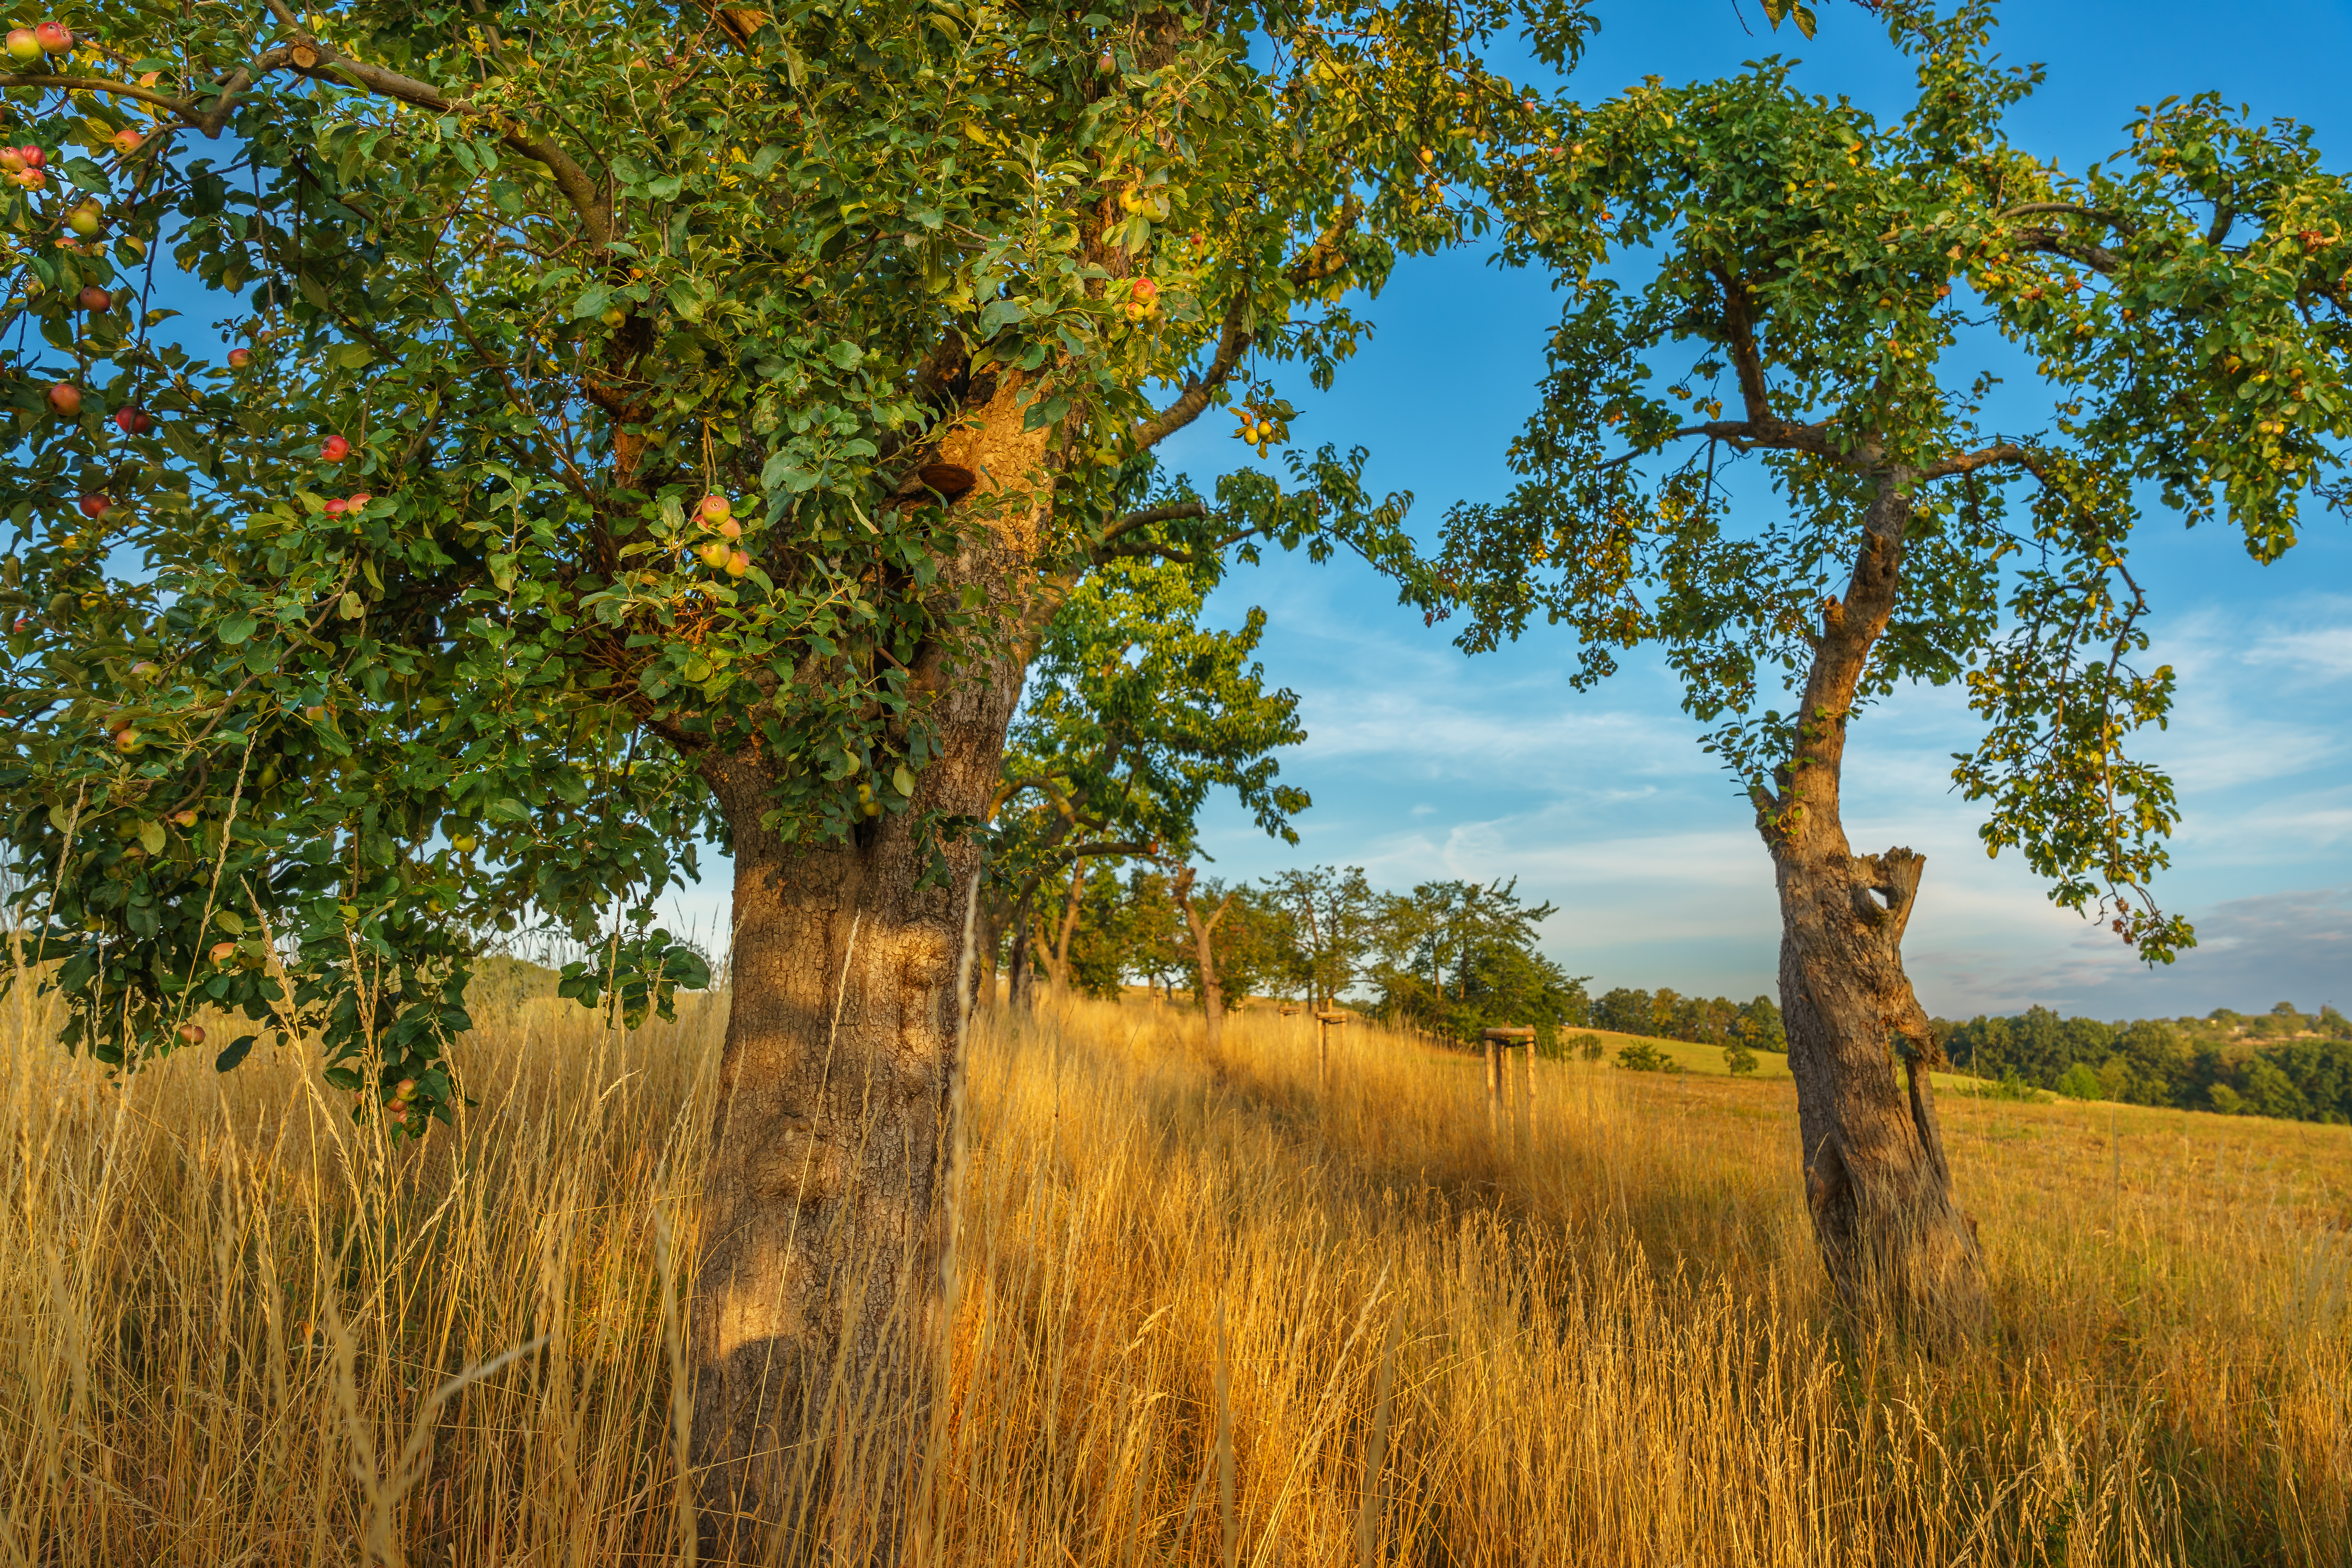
x=1448 y=957
x=2283 y=1063
x=1667 y=1014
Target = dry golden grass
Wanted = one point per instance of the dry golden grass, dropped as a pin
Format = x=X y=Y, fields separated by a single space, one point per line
x=1206 y=1313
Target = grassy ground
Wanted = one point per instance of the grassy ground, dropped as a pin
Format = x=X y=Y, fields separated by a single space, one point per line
x=1208 y=1312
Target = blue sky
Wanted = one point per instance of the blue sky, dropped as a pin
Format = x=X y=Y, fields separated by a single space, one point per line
x=1425 y=764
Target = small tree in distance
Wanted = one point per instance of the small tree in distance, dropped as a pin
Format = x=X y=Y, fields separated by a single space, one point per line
x=1781 y=280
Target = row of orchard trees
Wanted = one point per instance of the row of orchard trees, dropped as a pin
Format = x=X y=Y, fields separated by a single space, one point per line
x=1450 y=957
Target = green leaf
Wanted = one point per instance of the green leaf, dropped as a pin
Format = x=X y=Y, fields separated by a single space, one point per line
x=235 y=1051
x=151 y=836
x=902 y=780
x=999 y=314
x=235 y=629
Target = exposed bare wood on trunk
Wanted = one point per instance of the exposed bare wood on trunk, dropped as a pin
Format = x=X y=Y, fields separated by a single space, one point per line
x=1859 y=1043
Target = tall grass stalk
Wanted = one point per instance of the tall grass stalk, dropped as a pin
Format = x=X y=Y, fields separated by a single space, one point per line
x=1200 y=1312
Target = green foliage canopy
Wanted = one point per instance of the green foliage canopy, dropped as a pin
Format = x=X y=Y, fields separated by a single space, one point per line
x=1758 y=276
x=556 y=273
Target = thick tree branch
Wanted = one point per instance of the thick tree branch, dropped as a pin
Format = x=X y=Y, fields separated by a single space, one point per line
x=2055 y=242
x=186 y=109
x=2072 y=209
x=1957 y=463
x=1102 y=848
x=1322 y=259
x=326 y=63
x=1233 y=341
x=1168 y=512
x=1746 y=435
x=1107 y=547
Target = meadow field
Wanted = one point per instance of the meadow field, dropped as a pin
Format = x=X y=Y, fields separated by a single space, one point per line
x=1206 y=1313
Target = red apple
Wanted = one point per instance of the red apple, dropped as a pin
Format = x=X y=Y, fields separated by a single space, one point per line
x=715 y=508
x=86 y=219
x=65 y=398
x=358 y=502
x=126 y=142
x=713 y=554
x=314 y=713
x=133 y=420
x=32 y=155
x=404 y=1089
x=23 y=46
x=30 y=180
x=193 y=1033
x=12 y=158
x=185 y=818
x=730 y=529
x=738 y=564
x=336 y=508
x=94 y=506
x=145 y=670
x=128 y=741
x=239 y=358
x=53 y=36
x=94 y=299
x=335 y=449
x=223 y=952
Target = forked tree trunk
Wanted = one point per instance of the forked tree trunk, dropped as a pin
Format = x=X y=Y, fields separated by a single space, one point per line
x=813 y=1325
x=1205 y=958
x=1894 y=1238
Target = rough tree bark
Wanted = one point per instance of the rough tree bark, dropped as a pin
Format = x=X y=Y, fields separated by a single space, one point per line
x=823 y=1215
x=1894 y=1238
x=1204 y=957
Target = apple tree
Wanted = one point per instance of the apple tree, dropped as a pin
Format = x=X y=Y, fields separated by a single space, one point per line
x=1758 y=276
x=643 y=425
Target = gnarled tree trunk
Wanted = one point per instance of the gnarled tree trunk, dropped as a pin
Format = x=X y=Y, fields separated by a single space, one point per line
x=814 y=1320
x=1894 y=1238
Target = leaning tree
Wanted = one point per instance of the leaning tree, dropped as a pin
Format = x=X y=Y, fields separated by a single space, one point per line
x=1759 y=276
x=647 y=424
